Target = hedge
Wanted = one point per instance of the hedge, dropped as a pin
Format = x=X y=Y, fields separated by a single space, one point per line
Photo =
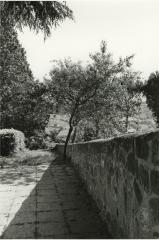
x=11 y=141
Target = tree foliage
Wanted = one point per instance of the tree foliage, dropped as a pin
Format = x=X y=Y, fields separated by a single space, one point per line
x=21 y=98
x=23 y=102
x=37 y=15
x=117 y=99
x=34 y=110
x=75 y=87
x=128 y=97
x=14 y=75
x=102 y=95
x=151 y=91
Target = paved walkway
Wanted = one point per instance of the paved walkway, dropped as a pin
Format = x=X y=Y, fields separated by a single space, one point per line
x=53 y=204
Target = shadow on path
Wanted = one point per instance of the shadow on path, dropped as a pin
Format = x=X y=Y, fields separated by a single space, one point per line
x=58 y=207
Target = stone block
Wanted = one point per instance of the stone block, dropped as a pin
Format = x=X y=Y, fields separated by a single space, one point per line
x=156 y=235
x=125 y=198
x=127 y=144
x=138 y=192
x=46 y=199
x=121 y=156
x=49 y=206
x=132 y=164
x=154 y=204
x=22 y=217
x=155 y=152
x=154 y=181
x=85 y=226
x=142 y=148
x=49 y=230
x=19 y=231
x=144 y=177
x=51 y=216
x=154 y=210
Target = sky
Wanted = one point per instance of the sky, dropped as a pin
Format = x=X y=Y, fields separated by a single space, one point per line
x=128 y=26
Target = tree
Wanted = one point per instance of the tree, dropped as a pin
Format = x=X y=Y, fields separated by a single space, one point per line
x=151 y=91
x=37 y=15
x=117 y=97
x=102 y=105
x=33 y=112
x=23 y=102
x=128 y=97
x=15 y=75
x=21 y=98
x=75 y=86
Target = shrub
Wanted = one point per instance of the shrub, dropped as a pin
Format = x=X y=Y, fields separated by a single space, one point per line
x=6 y=143
x=54 y=134
x=88 y=134
x=11 y=141
x=36 y=142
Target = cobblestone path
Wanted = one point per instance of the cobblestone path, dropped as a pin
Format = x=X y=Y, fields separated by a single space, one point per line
x=57 y=206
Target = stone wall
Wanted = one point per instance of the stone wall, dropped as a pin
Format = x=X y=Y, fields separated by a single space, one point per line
x=122 y=175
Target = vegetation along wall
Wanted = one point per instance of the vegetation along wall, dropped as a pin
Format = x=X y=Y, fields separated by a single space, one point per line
x=122 y=175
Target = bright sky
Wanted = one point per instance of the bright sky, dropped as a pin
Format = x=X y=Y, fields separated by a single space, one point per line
x=128 y=27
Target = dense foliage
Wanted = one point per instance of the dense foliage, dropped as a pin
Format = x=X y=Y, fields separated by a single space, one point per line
x=11 y=141
x=151 y=91
x=117 y=100
x=74 y=86
x=6 y=143
x=22 y=100
x=37 y=15
x=36 y=142
x=102 y=95
x=128 y=97
x=15 y=76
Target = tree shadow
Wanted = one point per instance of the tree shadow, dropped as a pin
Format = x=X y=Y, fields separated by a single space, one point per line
x=58 y=207
x=23 y=221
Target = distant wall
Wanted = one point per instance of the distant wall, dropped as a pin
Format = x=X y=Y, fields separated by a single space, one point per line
x=122 y=175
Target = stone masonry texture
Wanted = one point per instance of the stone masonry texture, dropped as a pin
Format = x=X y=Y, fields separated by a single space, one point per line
x=122 y=176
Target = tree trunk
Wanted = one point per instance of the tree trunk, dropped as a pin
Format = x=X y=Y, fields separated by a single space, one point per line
x=56 y=108
x=67 y=140
x=126 y=122
x=74 y=135
x=97 y=129
x=70 y=130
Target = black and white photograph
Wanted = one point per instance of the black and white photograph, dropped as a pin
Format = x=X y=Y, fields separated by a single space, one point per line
x=79 y=119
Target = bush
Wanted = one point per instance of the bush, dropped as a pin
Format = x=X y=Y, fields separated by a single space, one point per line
x=11 y=141
x=88 y=134
x=36 y=142
x=55 y=136
x=6 y=143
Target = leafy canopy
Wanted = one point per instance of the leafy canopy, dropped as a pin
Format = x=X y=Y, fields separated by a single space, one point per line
x=101 y=95
x=22 y=101
x=151 y=91
x=117 y=98
x=37 y=15
x=15 y=75
x=75 y=86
